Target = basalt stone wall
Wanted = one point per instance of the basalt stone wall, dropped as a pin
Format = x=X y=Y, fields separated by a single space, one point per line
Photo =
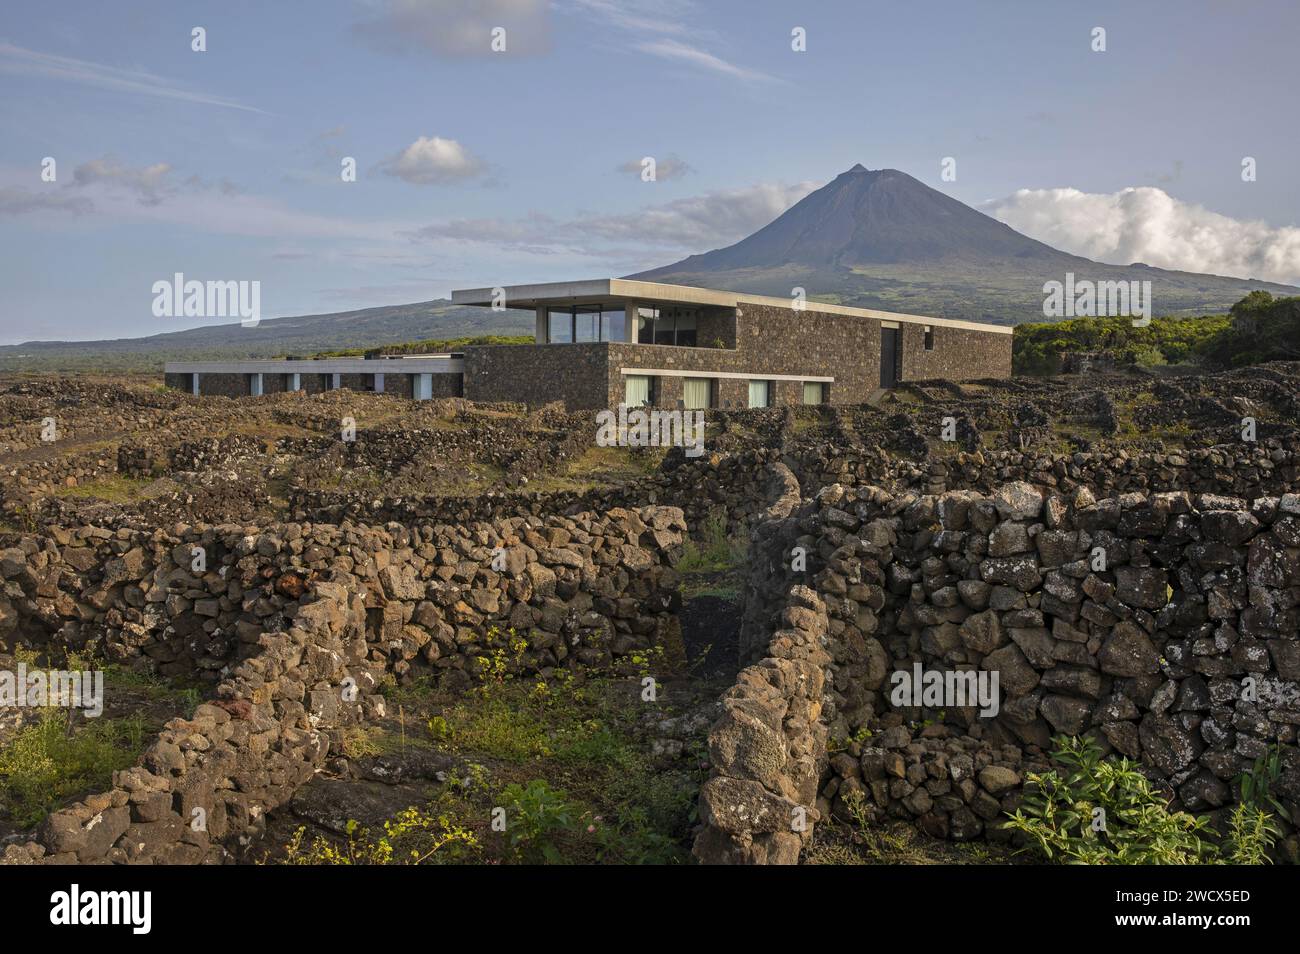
x=1242 y=469
x=224 y=385
x=768 y=749
x=730 y=488
x=281 y=616
x=959 y=354
x=1182 y=653
x=241 y=755
x=576 y=374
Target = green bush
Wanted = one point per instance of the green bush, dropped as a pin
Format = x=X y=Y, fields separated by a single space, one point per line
x=536 y=815
x=43 y=765
x=1106 y=812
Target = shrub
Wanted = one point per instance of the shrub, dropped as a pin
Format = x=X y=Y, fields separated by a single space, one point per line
x=43 y=764
x=413 y=837
x=536 y=815
x=1102 y=811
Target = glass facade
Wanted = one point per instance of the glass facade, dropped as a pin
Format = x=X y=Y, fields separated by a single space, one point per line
x=667 y=326
x=585 y=323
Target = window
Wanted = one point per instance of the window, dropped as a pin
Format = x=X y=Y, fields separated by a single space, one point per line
x=697 y=393
x=638 y=390
x=559 y=326
x=585 y=323
x=760 y=393
x=685 y=329
x=666 y=326
x=929 y=338
x=814 y=392
x=613 y=325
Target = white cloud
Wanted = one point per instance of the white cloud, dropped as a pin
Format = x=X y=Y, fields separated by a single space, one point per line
x=433 y=161
x=692 y=224
x=21 y=61
x=1148 y=225
x=457 y=27
x=685 y=53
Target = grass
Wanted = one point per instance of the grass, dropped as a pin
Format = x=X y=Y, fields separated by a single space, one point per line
x=116 y=488
x=565 y=762
x=44 y=765
x=714 y=552
x=600 y=467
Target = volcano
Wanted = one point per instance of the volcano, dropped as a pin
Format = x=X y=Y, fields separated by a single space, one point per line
x=882 y=239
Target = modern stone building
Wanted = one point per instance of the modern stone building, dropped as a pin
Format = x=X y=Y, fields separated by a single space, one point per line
x=609 y=341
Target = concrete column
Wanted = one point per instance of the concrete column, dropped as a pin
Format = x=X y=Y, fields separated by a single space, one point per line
x=539 y=335
x=195 y=383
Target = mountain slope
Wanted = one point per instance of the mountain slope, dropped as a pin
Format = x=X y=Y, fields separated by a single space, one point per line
x=882 y=239
x=305 y=334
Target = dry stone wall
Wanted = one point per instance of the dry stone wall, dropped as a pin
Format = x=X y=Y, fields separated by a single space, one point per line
x=282 y=618
x=1164 y=624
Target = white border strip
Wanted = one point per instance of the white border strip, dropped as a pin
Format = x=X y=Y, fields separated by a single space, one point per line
x=752 y=376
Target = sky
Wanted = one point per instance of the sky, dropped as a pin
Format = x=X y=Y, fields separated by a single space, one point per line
x=478 y=166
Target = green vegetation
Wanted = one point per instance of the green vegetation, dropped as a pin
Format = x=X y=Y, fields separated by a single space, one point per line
x=1037 y=347
x=1258 y=328
x=47 y=762
x=715 y=552
x=556 y=771
x=115 y=488
x=427 y=346
x=1104 y=811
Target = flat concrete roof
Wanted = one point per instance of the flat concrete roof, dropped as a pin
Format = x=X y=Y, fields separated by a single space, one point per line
x=437 y=364
x=605 y=289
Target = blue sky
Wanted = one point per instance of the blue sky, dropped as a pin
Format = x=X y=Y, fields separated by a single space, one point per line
x=482 y=168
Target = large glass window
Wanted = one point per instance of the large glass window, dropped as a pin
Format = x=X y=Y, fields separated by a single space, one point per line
x=637 y=390
x=760 y=393
x=613 y=325
x=583 y=323
x=814 y=392
x=559 y=326
x=697 y=393
x=645 y=325
x=586 y=323
x=666 y=326
x=685 y=329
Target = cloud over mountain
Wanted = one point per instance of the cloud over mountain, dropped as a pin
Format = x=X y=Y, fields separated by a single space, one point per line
x=1148 y=225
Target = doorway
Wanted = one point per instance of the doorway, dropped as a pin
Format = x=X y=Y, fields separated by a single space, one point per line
x=890 y=356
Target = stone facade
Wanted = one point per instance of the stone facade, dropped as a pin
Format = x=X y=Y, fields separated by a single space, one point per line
x=763 y=340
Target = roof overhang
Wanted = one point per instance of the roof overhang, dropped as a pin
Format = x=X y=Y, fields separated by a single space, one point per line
x=599 y=290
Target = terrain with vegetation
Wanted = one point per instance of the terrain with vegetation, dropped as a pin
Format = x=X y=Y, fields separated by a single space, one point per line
x=466 y=634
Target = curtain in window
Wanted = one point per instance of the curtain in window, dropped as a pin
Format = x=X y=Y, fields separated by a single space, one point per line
x=758 y=394
x=814 y=392
x=637 y=390
x=695 y=393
